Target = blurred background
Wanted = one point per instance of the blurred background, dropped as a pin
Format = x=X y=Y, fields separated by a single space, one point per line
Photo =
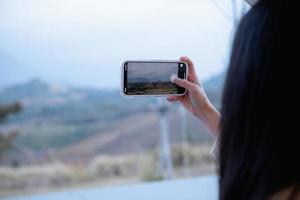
x=63 y=122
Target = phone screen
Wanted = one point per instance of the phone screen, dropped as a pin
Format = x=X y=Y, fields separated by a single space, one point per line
x=152 y=78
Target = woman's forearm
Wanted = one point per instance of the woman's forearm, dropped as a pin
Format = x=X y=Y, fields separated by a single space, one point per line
x=210 y=118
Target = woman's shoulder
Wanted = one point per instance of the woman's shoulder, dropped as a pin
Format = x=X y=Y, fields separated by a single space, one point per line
x=289 y=193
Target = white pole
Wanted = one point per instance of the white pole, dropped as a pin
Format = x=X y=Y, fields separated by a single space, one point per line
x=165 y=149
x=184 y=141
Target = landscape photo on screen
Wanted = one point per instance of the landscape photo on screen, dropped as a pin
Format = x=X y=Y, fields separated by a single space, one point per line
x=151 y=78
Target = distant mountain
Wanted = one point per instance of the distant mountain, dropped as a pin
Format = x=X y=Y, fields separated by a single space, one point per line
x=17 y=92
x=53 y=102
x=139 y=80
x=58 y=117
x=214 y=88
x=215 y=83
x=38 y=93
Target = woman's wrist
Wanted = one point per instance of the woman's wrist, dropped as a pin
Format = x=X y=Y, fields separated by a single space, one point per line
x=209 y=117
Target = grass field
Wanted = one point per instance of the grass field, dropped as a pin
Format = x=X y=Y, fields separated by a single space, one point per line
x=104 y=171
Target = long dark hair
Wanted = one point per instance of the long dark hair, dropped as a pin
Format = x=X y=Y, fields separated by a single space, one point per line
x=259 y=153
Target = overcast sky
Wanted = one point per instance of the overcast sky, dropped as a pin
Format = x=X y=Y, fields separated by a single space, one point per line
x=151 y=72
x=83 y=42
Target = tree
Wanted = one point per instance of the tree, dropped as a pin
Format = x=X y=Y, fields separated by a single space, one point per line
x=6 y=140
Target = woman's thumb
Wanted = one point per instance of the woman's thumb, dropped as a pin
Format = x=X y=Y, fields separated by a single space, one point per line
x=184 y=83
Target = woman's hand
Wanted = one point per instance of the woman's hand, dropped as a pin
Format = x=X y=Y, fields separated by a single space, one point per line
x=195 y=99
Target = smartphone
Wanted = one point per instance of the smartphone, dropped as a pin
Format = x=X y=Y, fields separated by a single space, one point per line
x=152 y=78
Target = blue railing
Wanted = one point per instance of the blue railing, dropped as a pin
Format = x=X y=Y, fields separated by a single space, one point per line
x=205 y=188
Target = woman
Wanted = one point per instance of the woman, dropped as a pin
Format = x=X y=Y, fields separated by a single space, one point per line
x=257 y=141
